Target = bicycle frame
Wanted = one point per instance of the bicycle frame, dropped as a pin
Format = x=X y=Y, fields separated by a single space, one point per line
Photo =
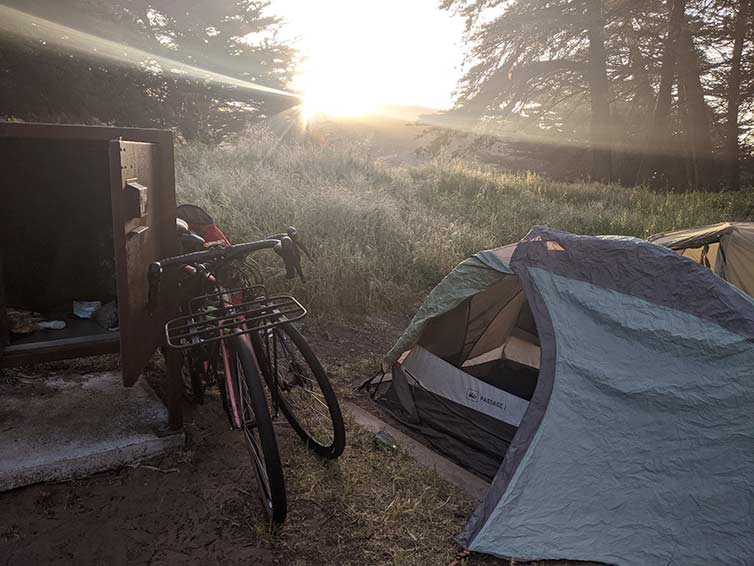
x=232 y=391
x=232 y=381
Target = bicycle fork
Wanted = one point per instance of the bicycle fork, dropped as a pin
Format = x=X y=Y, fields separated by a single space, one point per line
x=272 y=369
x=234 y=387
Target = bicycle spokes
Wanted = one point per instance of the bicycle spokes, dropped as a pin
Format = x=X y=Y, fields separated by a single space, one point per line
x=251 y=434
x=301 y=391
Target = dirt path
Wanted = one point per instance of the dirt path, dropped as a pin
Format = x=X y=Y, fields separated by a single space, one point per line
x=185 y=514
x=199 y=505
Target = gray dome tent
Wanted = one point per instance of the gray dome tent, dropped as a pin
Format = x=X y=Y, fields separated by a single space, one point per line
x=607 y=383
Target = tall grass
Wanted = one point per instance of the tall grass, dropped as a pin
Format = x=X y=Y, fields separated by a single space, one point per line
x=383 y=235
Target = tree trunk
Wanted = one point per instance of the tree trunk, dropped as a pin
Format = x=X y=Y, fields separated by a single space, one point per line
x=643 y=99
x=732 y=166
x=701 y=163
x=600 y=95
x=680 y=169
x=660 y=138
x=661 y=118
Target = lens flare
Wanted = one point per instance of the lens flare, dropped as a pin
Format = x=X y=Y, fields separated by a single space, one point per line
x=18 y=23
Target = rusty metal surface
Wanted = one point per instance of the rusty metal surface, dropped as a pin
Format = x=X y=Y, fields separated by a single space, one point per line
x=55 y=350
x=174 y=402
x=4 y=335
x=77 y=132
x=137 y=241
x=55 y=225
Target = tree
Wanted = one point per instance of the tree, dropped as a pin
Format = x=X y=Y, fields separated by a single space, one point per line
x=700 y=163
x=542 y=62
x=660 y=136
x=602 y=168
x=742 y=18
x=655 y=81
x=233 y=38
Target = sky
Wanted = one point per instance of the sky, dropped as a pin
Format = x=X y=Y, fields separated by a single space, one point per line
x=359 y=56
x=363 y=54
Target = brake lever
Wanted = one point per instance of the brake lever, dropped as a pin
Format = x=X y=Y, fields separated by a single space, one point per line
x=293 y=234
x=297 y=263
x=284 y=251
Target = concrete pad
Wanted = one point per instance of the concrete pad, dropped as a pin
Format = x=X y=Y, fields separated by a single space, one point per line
x=470 y=484
x=71 y=426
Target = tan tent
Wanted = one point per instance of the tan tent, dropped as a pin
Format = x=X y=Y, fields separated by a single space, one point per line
x=726 y=248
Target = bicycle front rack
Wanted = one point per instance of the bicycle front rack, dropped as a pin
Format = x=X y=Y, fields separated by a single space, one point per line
x=222 y=315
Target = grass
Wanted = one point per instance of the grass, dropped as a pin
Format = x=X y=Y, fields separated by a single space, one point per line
x=370 y=507
x=383 y=235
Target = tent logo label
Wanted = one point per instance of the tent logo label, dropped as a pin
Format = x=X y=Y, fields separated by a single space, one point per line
x=493 y=402
x=474 y=395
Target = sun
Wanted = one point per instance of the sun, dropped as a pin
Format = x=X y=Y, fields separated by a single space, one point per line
x=327 y=92
x=335 y=104
x=342 y=72
x=360 y=58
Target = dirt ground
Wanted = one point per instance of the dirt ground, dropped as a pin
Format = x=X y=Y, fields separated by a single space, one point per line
x=199 y=505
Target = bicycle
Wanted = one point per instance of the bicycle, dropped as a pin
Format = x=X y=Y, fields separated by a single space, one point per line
x=246 y=339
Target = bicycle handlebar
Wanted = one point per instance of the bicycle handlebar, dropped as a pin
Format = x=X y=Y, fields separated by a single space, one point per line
x=223 y=252
x=285 y=245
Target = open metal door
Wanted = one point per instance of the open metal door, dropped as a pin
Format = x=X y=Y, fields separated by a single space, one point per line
x=143 y=224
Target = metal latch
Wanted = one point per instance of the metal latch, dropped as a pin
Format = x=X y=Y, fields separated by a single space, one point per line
x=136 y=199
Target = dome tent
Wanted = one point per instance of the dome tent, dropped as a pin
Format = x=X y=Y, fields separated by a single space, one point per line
x=609 y=380
x=726 y=248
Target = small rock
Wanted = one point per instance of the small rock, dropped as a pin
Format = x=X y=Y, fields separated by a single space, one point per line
x=384 y=441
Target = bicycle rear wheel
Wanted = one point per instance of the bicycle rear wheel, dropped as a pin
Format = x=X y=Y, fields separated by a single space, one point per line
x=302 y=389
x=256 y=425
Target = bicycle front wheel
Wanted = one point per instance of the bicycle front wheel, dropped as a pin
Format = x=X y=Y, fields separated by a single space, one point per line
x=303 y=392
x=256 y=425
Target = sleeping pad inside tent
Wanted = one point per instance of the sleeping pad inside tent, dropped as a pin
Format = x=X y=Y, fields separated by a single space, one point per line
x=604 y=384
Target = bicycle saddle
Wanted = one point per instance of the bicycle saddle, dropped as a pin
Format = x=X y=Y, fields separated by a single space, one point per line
x=190 y=241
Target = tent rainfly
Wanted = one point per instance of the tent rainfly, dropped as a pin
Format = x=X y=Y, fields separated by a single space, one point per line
x=605 y=383
x=726 y=248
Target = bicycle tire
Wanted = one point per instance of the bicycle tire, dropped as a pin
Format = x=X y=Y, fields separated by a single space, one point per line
x=330 y=450
x=262 y=445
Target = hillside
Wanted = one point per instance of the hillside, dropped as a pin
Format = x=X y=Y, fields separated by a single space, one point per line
x=385 y=234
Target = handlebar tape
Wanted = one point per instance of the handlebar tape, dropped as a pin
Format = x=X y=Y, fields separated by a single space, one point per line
x=287 y=250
